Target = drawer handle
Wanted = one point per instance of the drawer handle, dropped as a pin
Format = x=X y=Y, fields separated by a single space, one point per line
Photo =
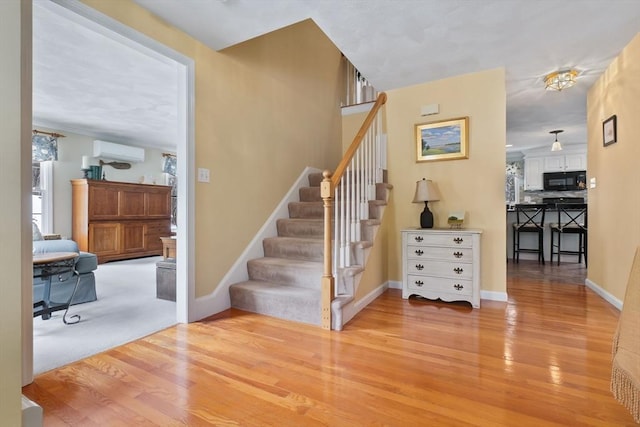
x=419 y=252
x=458 y=270
x=458 y=287
x=458 y=240
x=418 y=238
x=419 y=266
x=419 y=283
x=457 y=254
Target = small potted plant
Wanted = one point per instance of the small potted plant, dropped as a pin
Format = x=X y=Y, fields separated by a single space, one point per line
x=455 y=219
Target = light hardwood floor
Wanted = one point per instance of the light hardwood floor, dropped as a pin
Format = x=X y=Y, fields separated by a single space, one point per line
x=542 y=359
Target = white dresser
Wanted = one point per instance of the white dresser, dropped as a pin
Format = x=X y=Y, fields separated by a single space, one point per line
x=441 y=263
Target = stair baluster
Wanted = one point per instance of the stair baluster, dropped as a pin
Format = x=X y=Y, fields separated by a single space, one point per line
x=353 y=184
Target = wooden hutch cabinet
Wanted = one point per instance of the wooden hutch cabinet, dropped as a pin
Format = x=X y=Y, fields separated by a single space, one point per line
x=120 y=220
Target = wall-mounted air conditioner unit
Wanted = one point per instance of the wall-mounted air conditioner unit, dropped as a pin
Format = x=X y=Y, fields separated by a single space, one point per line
x=113 y=151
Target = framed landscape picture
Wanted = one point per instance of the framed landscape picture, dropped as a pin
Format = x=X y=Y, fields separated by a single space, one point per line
x=443 y=140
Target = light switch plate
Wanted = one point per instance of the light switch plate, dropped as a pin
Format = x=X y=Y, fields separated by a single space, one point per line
x=592 y=183
x=203 y=175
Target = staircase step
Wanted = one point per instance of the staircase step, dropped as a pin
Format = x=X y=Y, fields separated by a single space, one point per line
x=286 y=271
x=301 y=227
x=277 y=300
x=310 y=194
x=294 y=248
x=286 y=283
x=315 y=179
x=369 y=229
x=382 y=191
x=376 y=208
x=306 y=210
x=316 y=209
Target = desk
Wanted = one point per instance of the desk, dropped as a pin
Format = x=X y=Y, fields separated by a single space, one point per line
x=47 y=265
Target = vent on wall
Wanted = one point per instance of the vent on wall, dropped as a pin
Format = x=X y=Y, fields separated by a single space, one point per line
x=111 y=150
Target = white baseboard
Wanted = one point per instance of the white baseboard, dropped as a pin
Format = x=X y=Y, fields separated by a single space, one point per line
x=604 y=294
x=494 y=296
x=350 y=310
x=219 y=299
x=394 y=284
x=31 y=413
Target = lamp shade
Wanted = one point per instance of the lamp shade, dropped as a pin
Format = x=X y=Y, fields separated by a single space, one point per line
x=556 y=145
x=426 y=191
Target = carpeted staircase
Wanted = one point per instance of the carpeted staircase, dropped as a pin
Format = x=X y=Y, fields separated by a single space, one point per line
x=285 y=283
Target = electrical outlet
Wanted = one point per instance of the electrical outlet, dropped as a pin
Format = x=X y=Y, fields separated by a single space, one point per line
x=203 y=175
x=592 y=182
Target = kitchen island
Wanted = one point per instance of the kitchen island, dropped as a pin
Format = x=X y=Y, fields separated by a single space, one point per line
x=530 y=240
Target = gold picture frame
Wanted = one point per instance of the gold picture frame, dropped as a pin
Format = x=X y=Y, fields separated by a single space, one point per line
x=442 y=140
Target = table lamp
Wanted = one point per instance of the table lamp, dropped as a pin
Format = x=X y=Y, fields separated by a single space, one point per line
x=426 y=191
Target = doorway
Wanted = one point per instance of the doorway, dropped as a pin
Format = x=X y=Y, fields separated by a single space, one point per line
x=185 y=159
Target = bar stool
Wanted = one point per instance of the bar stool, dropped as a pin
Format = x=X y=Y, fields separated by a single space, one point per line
x=529 y=219
x=572 y=219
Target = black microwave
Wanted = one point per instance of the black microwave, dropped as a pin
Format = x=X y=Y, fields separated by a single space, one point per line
x=565 y=181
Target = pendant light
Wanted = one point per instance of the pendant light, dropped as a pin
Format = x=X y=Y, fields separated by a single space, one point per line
x=556 y=145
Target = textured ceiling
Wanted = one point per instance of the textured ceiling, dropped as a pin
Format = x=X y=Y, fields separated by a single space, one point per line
x=89 y=80
x=394 y=43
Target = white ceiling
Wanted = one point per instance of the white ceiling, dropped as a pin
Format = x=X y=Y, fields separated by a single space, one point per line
x=394 y=43
x=91 y=81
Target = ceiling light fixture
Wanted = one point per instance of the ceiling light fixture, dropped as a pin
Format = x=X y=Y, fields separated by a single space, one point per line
x=559 y=80
x=556 y=145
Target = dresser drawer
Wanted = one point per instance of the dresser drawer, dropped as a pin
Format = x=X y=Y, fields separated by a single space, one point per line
x=436 y=284
x=458 y=240
x=440 y=268
x=440 y=253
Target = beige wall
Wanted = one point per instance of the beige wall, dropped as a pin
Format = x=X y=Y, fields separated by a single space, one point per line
x=71 y=148
x=15 y=260
x=351 y=123
x=475 y=185
x=614 y=227
x=264 y=110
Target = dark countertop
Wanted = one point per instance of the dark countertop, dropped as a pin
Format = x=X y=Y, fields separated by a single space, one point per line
x=549 y=208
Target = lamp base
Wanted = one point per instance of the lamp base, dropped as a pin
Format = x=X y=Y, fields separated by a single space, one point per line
x=426 y=217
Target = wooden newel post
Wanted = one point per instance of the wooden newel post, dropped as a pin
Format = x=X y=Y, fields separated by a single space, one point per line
x=326 y=192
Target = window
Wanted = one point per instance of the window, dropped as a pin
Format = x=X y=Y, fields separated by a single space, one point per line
x=41 y=200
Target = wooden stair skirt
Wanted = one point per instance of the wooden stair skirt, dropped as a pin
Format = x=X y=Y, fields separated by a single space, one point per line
x=285 y=283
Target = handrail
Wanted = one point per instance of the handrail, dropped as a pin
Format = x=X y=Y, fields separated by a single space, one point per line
x=354 y=199
x=357 y=140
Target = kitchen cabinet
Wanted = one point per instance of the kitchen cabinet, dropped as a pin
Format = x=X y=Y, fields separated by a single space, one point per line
x=565 y=162
x=442 y=263
x=119 y=220
x=533 y=168
x=537 y=162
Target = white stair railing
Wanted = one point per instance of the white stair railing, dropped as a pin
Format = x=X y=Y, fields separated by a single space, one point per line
x=358 y=88
x=351 y=186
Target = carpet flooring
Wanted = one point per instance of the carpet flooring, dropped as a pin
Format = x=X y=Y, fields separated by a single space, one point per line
x=126 y=309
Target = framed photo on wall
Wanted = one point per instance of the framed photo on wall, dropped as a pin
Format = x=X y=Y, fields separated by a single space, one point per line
x=442 y=140
x=609 y=131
